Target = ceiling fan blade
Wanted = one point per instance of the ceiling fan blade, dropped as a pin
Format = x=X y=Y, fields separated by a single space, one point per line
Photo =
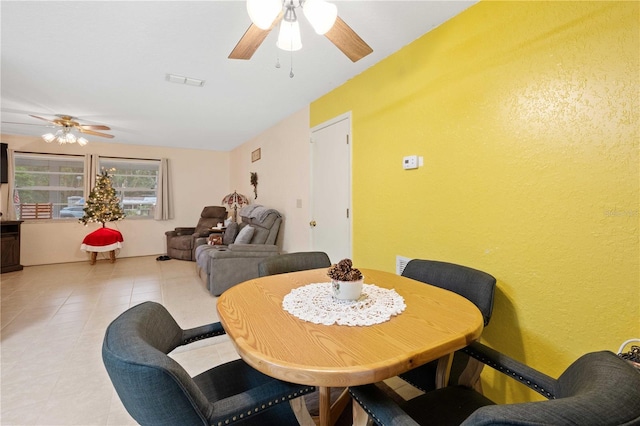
x=45 y=119
x=28 y=124
x=348 y=41
x=93 y=127
x=91 y=132
x=251 y=40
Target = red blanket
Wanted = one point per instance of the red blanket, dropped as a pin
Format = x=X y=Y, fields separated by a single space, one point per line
x=103 y=239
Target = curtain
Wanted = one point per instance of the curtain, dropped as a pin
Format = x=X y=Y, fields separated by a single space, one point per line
x=164 y=209
x=12 y=196
x=90 y=172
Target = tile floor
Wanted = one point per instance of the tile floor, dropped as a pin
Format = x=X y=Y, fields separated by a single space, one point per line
x=53 y=319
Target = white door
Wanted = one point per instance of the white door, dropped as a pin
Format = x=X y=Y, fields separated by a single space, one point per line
x=331 y=188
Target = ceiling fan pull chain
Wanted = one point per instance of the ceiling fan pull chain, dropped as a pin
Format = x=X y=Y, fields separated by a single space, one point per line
x=291 y=70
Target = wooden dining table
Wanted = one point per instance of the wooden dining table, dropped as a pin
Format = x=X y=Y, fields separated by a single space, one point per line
x=434 y=324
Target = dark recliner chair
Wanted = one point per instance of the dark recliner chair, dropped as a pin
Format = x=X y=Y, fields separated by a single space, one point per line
x=598 y=389
x=157 y=391
x=293 y=262
x=474 y=285
x=181 y=242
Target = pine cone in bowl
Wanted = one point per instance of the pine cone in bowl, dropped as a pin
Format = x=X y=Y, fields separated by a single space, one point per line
x=344 y=271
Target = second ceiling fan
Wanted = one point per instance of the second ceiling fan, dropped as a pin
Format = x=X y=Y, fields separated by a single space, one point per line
x=267 y=14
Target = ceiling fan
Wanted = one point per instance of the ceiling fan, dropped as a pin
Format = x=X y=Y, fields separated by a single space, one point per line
x=67 y=124
x=267 y=14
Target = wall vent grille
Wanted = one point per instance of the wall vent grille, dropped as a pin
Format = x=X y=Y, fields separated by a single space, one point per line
x=401 y=262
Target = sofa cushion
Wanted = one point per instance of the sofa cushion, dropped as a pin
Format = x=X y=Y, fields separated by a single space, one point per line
x=230 y=233
x=245 y=234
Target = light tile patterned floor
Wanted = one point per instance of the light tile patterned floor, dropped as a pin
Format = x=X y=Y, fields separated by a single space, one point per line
x=53 y=321
x=52 y=325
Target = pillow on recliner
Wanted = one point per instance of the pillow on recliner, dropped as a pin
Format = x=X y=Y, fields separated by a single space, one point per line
x=230 y=233
x=244 y=236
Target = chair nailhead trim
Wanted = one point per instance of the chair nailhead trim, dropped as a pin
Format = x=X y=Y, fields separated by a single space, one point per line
x=507 y=371
x=267 y=405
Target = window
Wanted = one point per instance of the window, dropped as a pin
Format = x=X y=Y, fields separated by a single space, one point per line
x=48 y=180
x=135 y=182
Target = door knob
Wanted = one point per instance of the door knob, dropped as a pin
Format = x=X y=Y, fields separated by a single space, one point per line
x=312 y=223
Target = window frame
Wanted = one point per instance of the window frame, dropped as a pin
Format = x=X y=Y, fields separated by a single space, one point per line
x=147 y=203
x=25 y=194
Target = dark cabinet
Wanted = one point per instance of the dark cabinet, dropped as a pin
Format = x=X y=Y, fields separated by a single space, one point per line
x=10 y=245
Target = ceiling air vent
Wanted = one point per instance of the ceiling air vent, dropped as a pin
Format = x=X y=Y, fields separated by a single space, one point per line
x=180 y=79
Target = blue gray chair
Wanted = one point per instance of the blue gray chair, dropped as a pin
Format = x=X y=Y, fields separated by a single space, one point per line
x=476 y=286
x=598 y=389
x=157 y=391
x=293 y=262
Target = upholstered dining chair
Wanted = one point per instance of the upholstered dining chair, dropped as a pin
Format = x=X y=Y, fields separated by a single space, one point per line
x=598 y=389
x=293 y=262
x=476 y=286
x=156 y=390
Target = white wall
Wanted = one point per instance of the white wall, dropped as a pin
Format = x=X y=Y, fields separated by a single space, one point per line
x=283 y=176
x=199 y=178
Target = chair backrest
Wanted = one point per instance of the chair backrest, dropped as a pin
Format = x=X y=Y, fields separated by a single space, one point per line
x=598 y=389
x=210 y=217
x=265 y=231
x=153 y=387
x=292 y=262
x=476 y=286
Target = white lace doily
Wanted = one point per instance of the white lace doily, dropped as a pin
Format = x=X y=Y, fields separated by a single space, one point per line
x=315 y=303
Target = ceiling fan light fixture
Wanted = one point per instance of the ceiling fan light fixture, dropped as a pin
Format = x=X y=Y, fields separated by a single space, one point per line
x=320 y=14
x=64 y=136
x=48 y=137
x=263 y=12
x=289 y=36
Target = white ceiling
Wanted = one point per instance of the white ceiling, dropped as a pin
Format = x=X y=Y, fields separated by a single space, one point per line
x=105 y=62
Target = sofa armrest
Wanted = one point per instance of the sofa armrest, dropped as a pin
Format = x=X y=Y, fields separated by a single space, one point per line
x=241 y=250
x=253 y=247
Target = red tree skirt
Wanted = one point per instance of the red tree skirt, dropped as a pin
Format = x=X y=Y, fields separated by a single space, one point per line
x=103 y=239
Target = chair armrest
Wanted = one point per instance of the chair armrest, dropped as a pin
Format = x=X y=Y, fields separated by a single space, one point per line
x=545 y=385
x=387 y=412
x=203 y=332
x=259 y=396
x=185 y=230
x=202 y=234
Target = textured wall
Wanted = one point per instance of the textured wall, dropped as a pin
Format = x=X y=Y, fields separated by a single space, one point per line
x=526 y=114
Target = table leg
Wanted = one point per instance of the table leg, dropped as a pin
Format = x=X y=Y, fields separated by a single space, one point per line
x=301 y=412
x=443 y=370
x=329 y=413
x=94 y=255
x=360 y=417
x=112 y=256
x=325 y=406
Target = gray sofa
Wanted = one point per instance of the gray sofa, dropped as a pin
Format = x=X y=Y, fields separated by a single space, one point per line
x=223 y=266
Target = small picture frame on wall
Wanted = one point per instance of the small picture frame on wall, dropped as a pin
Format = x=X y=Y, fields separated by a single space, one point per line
x=255 y=155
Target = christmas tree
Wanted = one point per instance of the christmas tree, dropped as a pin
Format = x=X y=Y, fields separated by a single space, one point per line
x=102 y=205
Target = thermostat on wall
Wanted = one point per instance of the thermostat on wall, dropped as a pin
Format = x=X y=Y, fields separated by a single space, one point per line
x=410 y=162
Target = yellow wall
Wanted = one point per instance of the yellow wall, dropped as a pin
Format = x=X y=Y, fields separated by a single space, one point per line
x=526 y=114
